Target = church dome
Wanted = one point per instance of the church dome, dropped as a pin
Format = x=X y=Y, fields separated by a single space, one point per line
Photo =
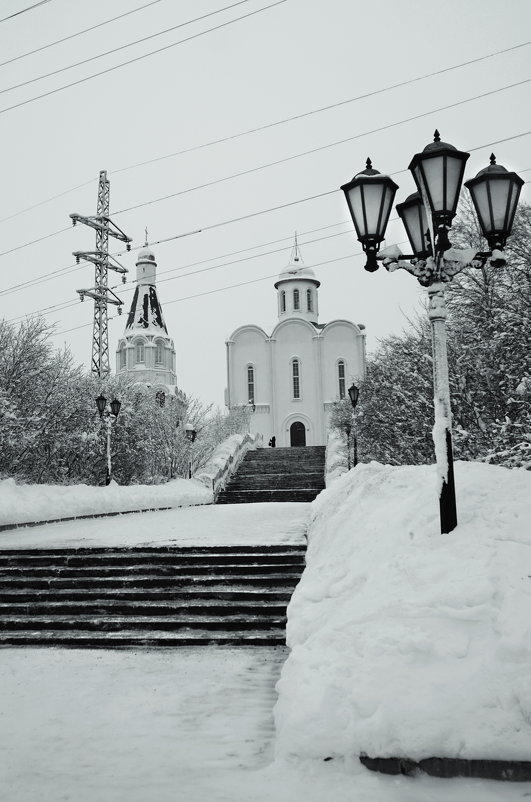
x=145 y=255
x=294 y=272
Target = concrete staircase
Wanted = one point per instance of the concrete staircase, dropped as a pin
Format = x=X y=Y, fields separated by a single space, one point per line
x=277 y=474
x=156 y=597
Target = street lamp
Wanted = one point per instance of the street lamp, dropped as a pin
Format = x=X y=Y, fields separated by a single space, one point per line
x=110 y=416
x=354 y=394
x=191 y=434
x=427 y=216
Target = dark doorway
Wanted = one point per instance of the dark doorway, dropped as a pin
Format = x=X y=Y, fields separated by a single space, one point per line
x=297 y=434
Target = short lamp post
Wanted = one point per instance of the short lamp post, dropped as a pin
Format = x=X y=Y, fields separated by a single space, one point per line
x=110 y=416
x=427 y=216
x=191 y=434
x=354 y=394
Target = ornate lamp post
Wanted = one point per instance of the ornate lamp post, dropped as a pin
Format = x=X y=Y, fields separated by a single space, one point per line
x=110 y=417
x=353 y=394
x=191 y=434
x=427 y=216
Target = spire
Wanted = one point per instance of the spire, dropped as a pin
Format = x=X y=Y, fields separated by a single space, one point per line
x=295 y=256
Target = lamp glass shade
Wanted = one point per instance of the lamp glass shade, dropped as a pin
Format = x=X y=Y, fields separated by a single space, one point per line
x=370 y=197
x=115 y=407
x=438 y=173
x=101 y=403
x=412 y=212
x=354 y=393
x=495 y=193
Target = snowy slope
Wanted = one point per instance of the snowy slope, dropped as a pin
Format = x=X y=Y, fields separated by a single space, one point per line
x=407 y=642
x=26 y=503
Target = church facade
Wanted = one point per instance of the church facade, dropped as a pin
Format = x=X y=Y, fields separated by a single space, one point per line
x=146 y=352
x=290 y=378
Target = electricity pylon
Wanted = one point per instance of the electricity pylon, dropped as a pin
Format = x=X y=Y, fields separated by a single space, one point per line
x=101 y=293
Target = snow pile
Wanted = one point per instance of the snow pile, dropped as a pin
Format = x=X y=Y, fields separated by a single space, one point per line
x=406 y=642
x=29 y=503
x=226 y=458
x=336 y=457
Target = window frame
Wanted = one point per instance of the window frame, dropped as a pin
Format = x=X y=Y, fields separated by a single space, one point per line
x=296 y=300
x=251 y=383
x=282 y=301
x=140 y=348
x=296 y=385
x=309 y=300
x=342 y=379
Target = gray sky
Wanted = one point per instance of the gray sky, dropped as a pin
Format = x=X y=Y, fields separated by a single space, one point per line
x=293 y=58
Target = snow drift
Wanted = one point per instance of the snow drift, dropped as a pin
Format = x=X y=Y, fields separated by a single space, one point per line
x=30 y=503
x=406 y=642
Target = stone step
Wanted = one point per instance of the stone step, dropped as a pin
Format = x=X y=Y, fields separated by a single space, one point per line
x=157 y=595
x=129 y=571
x=112 y=623
x=137 y=639
x=153 y=581
x=256 y=482
x=156 y=551
x=202 y=607
x=202 y=561
x=253 y=496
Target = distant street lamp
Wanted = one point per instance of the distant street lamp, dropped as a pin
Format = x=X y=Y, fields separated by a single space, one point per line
x=353 y=394
x=110 y=416
x=191 y=434
x=427 y=216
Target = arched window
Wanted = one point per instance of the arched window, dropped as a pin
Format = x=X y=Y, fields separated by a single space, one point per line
x=296 y=378
x=309 y=300
x=123 y=357
x=139 y=352
x=161 y=398
x=341 y=378
x=250 y=384
x=282 y=301
x=159 y=353
x=296 y=300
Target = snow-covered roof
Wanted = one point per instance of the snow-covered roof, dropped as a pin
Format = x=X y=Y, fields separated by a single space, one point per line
x=295 y=271
x=145 y=255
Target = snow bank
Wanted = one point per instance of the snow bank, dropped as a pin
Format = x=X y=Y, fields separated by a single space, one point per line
x=406 y=642
x=225 y=460
x=336 y=457
x=28 y=503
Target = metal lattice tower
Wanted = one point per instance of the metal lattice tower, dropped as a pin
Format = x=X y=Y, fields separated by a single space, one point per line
x=101 y=293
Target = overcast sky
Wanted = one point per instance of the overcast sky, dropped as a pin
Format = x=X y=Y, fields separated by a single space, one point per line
x=287 y=60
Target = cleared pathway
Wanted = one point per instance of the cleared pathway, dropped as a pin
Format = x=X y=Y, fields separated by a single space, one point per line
x=211 y=525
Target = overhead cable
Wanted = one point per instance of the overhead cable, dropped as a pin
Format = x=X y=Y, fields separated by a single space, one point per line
x=117 y=49
x=78 y=33
x=139 y=58
x=23 y=10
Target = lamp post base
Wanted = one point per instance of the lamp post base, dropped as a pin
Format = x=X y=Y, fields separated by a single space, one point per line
x=447 y=503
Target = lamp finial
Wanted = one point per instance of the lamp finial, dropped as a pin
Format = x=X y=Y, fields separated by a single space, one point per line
x=436 y=136
x=368 y=164
x=492 y=158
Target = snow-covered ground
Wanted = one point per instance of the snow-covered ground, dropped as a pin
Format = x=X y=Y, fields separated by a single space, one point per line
x=406 y=642
x=206 y=525
x=190 y=725
x=21 y=503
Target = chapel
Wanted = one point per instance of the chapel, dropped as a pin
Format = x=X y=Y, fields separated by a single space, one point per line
x=146 y=351
x=290 y=378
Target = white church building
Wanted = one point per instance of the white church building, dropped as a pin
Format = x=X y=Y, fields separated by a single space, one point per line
x=290 y=378
x=146 y=352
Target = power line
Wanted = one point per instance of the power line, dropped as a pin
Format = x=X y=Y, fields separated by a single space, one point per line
x=273 y=124
x=23 y=10
x=139 y=58
x=33 y=241
x=118 y=49
x=78 y=33
x=321 y=148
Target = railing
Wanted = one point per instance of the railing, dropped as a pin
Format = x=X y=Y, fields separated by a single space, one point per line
x=217 y=477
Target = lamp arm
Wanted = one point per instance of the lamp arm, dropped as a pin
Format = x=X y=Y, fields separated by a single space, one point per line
x=455 y=260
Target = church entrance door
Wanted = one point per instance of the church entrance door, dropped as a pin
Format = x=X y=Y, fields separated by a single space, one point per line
x=297 y=434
